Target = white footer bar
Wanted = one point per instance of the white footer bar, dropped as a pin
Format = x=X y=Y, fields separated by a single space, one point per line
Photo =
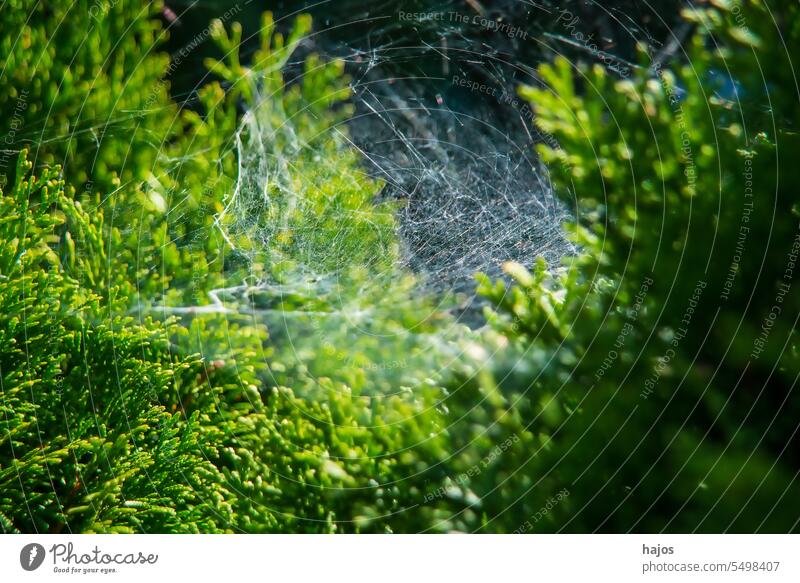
x=400 y=558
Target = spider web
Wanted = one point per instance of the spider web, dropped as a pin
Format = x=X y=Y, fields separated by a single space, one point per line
x=461 y=180
x=438 y=123
x=469 y=193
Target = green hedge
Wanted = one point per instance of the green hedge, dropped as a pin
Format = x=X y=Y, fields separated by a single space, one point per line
x=631 y=390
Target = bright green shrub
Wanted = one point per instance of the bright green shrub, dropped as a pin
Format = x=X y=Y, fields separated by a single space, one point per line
x=109 y=424
x=82 y=88
x=110 y=421
x=132 y=401
x=85 y=444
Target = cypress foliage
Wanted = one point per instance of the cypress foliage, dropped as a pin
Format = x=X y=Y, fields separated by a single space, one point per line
x=648 y=385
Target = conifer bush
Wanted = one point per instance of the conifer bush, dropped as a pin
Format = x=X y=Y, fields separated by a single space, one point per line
x=120 y=418
x=149 y=381
x=669 y=343
x=82 y=88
